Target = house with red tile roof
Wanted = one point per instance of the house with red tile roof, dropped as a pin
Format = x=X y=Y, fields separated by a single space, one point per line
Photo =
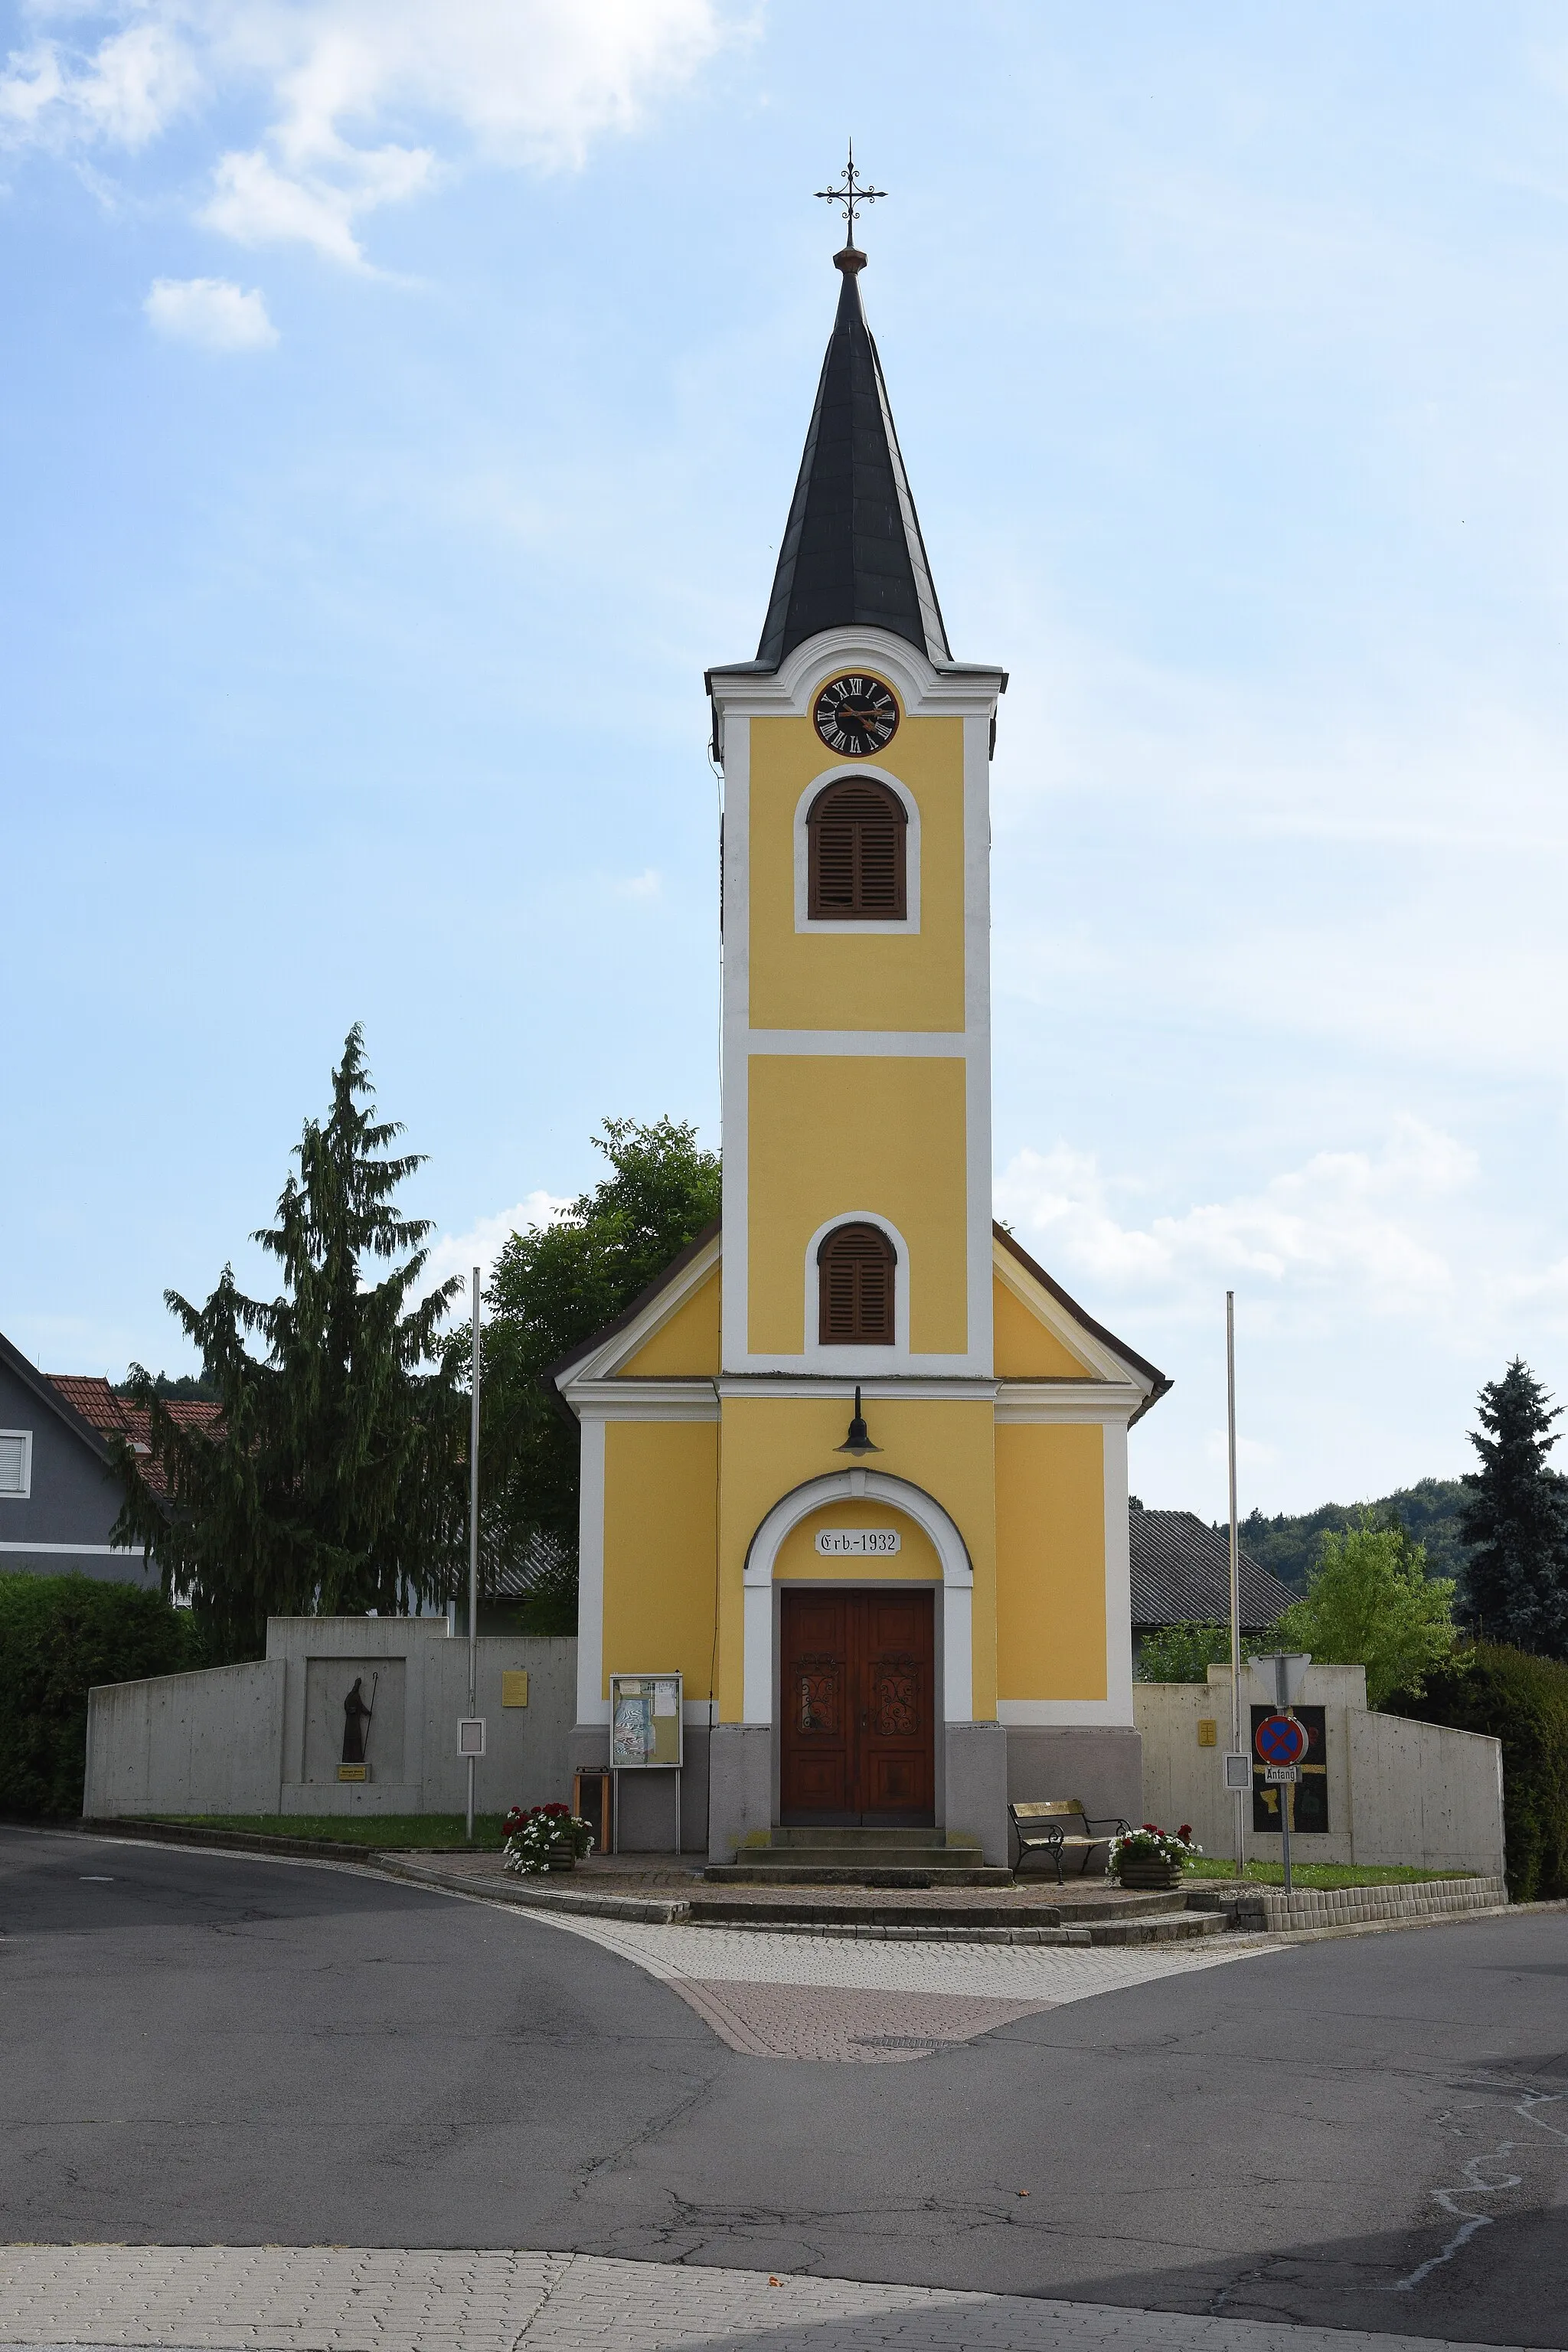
x=59 y=1492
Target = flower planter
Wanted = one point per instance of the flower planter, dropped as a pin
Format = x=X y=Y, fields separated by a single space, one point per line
x=1149 y=1876
x=562 y=1857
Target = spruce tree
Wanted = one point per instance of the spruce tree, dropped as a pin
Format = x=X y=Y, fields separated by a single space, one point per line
x=1516 y=1520
x=332 y=1481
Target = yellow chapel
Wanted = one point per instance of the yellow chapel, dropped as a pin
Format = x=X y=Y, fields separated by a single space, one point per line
x=855 y=1466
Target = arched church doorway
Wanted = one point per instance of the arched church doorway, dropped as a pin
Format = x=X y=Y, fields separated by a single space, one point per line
x=857 y=1686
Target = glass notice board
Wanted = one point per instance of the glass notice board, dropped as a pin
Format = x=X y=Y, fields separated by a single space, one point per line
x=644 y=1721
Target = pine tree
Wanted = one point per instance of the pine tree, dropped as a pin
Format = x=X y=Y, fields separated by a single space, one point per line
x=332 y=1482
x=1516 y=1520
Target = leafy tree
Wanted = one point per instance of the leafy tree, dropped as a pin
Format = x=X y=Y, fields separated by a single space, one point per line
x=556 y=1284
x=1370 y=1603
x=188 y=1388
x=1183 y=1654
x=333 y=1481
x=1516 y=1520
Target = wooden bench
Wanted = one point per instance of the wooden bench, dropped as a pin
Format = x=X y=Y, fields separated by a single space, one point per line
x=1055 y=1824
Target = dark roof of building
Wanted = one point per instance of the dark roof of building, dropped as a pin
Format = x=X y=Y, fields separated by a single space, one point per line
x=852 y=554
x=1181 y=1575
x=50 y=1394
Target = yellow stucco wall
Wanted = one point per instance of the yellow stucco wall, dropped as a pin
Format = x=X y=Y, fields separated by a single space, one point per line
x=917 y=1555
x=687 y=1346
x=1026 y=1348
x=1050 y=1551
x=830 y=1134
x=771 y=1446
x=661 y=1493
x=817 y=980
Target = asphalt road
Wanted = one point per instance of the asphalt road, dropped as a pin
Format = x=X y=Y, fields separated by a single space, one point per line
x=195 y=2049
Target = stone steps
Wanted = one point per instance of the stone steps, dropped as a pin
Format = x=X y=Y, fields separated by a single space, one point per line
x=852 y=1854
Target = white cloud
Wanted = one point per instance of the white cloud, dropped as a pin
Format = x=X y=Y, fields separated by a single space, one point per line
x=646 y=885
x=1347 y=1220
x=528 y=83
x=212 y=312
x=458 y=1254
x=132 y=88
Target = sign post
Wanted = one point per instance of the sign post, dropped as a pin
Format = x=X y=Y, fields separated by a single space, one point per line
x=1281 y=1740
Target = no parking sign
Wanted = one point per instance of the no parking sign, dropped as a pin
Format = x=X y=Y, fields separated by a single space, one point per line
x=1280 y=1742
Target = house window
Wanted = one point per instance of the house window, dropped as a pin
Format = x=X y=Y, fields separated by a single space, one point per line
x=856 y=835
x=854 y=1276
x=16 y=1462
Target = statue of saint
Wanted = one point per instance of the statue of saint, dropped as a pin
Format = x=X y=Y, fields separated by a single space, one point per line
x=356 y=1724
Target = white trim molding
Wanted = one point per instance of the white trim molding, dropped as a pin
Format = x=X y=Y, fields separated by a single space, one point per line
x=834 y=1354
x=23 y=1493
x=759 y=1665
x=1107 y=1401
x=891 y=928
x=593 y=1706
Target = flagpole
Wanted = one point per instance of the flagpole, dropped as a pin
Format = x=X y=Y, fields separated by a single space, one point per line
x=474 y=1541
x=1235 y=1745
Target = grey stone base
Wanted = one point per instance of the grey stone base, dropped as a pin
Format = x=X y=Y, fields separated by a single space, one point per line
x=647 y=1800
x=976 y=1787
x=1101 y=1763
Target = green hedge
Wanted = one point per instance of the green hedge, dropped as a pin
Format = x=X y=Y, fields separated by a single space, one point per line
x=58 y=1636
x=1523 y=1701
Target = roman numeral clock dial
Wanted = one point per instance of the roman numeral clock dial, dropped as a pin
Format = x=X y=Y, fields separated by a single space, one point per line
x=856 y=715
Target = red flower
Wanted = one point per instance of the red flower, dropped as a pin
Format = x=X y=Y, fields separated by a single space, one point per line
x=1184 y=1832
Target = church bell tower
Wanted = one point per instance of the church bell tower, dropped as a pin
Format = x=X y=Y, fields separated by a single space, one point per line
x=855 y=1466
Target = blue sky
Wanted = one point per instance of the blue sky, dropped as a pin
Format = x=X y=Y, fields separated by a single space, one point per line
x=399 y=409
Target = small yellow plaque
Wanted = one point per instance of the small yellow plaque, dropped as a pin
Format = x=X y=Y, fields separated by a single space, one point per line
x=353 y=1771
x=1209 y=1731
x=514 y=1688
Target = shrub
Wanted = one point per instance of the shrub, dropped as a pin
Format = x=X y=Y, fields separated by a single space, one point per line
x=1183 y=1654
x=1523 y=1701
x=58 y=1636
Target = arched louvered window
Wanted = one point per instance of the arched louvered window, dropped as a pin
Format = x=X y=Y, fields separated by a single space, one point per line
x=855 y=1280
x=855 y=834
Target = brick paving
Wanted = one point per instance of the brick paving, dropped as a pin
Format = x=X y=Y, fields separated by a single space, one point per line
x=347 y=2299
x=863 y=2027
x=843 y=2000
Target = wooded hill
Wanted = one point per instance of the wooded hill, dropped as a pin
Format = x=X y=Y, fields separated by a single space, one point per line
x=1429 y=1511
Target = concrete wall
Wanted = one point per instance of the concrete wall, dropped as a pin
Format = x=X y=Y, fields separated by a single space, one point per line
x=204 y=1743
x=1398 y=1791
x=269 y=1737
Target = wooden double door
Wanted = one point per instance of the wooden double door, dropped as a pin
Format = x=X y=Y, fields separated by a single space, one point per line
x=858 y=1738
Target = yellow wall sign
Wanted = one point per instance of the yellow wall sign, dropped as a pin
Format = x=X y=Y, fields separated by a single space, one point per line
x=353 y=1771
x=514 y=1688
x=1209 y=1731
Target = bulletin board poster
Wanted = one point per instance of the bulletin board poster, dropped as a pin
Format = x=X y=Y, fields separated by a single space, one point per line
x=645 y=1722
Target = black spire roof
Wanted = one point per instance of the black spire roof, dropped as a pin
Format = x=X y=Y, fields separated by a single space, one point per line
x=852 y=552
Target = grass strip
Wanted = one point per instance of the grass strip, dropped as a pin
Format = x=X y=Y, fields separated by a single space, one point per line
x=1321 y=1873
x=389 y=1831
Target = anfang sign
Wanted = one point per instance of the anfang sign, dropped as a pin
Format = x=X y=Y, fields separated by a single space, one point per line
x=861 y=1543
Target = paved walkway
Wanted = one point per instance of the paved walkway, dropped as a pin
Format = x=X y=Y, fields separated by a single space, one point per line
x=342 y=2299
x=839 y=1999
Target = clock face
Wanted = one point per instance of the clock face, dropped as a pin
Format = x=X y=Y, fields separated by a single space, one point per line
x=856 y=715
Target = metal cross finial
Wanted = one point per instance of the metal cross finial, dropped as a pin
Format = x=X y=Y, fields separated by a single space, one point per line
x=851 y=195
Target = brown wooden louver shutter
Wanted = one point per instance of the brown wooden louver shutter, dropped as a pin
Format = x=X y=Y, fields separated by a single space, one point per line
x=856 y=834
x=854 y=1272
